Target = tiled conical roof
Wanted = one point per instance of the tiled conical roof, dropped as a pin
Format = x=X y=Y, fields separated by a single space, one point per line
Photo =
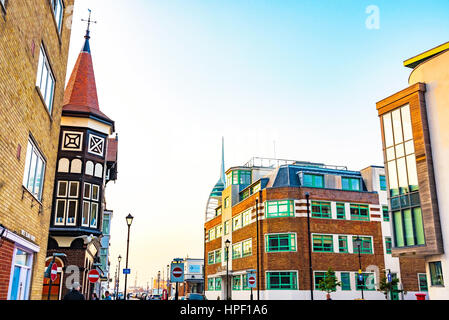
x=80 y=96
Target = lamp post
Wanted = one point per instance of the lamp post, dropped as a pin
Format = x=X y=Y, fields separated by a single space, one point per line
x=257 y=247
x=118 y=278
x=168 y=268
x=358 y=243
x=158 y=281
x=227 y=243
x=54 y=255
x=310 y=246
x=129 y=221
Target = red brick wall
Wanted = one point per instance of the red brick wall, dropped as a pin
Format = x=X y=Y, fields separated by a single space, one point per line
x=6 y=253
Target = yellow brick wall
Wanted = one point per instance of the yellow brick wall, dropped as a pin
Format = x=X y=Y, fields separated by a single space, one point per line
x=22 y=113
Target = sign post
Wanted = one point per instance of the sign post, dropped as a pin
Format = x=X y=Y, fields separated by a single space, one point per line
x=177 y=274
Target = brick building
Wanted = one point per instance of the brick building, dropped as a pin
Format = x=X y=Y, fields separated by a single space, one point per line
x=86 y=161
x=34 y=44
x=414 y=132
x=344 y=206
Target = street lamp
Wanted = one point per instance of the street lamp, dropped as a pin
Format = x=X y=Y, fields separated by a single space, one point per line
x=118 y=278
x=129 y=221
x=158 y=281
x=227 y=243
x=358 y=243
x=310 y=246
x=48 y=272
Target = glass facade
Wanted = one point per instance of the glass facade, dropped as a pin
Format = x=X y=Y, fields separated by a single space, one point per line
x=402 y=178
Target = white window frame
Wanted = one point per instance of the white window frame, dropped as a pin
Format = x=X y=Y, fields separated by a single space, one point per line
x=67 y=214
x=34 y=154
x=44 y=63
x=56 y=212
x=29 y=268
x=57 y=7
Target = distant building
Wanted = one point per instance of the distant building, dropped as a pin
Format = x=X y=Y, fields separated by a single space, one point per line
x=193 y=278
x=262 y=214
x=415 y=135
x=34 y=45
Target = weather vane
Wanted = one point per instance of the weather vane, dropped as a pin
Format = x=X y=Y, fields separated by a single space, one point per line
x=89 y=21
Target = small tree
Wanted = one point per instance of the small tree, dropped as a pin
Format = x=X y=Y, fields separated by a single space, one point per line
x=330 y=283
x=388 y=287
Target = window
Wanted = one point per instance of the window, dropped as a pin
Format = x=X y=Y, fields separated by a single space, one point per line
x=388 y=245
x=366 y=246
x=210 y=284
x=385 y=213
x=383 y=183
x=282 y=280
x=317 y=277
x=345 y=281
x=33 y=177
x=105 y=224
x=322 y=243
x=237 y=177
x=280 y=242
x=211 y=257
x=226 y=202
x=99 y=170
x=321 y=209
x=246 y=217
x=218 y=212
x=366 y=284
x=237 y=222
x=352 y=184
x=218 y=231
x=408 y=227
x=21 y=275
x=89 y=168
x=276 y=209
x=236 y=282
x=63 y=165
x=45 y=80
x=436 y=273
x=245 y=282
x=343 y=244
x=212 y=234
x=341 y=213
x=359 y=212
x=217 y=284
x=247 y=247
x=218 y=256
x=313 y=180
x=76 y=166
x=91 y=205
x=237 y=251
x=422 y=282
x=226 y=227
x=66 y=203
x=58 y=10
x=3 y=4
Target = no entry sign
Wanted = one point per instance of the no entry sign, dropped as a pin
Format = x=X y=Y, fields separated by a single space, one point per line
x=93 y=276
x=251 y=280
x=177 y=272
x=54 y=272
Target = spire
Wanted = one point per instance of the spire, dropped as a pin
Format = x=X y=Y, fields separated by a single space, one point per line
x=80 y=95
x=222 y=173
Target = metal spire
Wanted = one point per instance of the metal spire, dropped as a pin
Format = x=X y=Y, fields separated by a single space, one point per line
x=222 y=173
x=86 y=47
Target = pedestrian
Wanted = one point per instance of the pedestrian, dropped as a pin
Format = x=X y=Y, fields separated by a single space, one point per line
x=94 y=296
x=75 y=293
x=107 y=296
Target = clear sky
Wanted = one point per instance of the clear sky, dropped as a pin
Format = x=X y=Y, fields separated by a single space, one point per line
x=177 y=75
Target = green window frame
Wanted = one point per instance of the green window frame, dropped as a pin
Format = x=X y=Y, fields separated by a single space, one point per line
x=408 y=228
x=385 y=213
x=218 y=256
x=210 y=284
x=317 y=277
x=345 y=281
x=280 y=242
x=422 y=282
x=238 y=177
x=366 y=246
x=246 y=217
x=282 y=280
x=217 y=284
x=321 y=209
x=247 y=248
x=366 y=286
x=236 y=222
x=388 y=245
x=313 y=180
x=351 y=184
x=341 y=211
x=237 y=251
x=343 y=244
x=383 y=183
x=322 y=243
x=211 y=257
x=436 y=273
x=237 y=282
x=359 y=212
x=277 y=209
x=245 y=282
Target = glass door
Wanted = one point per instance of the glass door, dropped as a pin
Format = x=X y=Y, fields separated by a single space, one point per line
x=21 y=275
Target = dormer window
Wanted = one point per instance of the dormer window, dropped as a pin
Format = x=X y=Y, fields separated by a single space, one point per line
x=352 y=184
x=313 y=180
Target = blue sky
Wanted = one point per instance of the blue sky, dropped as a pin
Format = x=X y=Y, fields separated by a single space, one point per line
x=176 y=76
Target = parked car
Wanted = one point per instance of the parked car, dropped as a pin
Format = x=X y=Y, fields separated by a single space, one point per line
x=156 y=297
x=195 y=296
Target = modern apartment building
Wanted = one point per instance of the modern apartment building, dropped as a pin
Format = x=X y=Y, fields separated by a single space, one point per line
x=261 y=223
x=415 y=139
x=34 y=45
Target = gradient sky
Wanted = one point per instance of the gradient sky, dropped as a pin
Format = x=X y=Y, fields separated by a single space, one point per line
x=176 y=76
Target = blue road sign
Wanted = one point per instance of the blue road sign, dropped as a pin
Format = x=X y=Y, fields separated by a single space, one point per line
x=360 y=277
x=126 y=271
x=389 y=277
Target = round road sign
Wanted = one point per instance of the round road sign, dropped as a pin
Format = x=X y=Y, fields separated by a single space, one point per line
x=54 y=272
x=93 y=276
x=251 y=280
x=177 y=272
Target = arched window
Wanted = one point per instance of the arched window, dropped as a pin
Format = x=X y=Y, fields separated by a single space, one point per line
x=63 y=165
x=76 y=166
x=99 y=170
x=90 y=168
